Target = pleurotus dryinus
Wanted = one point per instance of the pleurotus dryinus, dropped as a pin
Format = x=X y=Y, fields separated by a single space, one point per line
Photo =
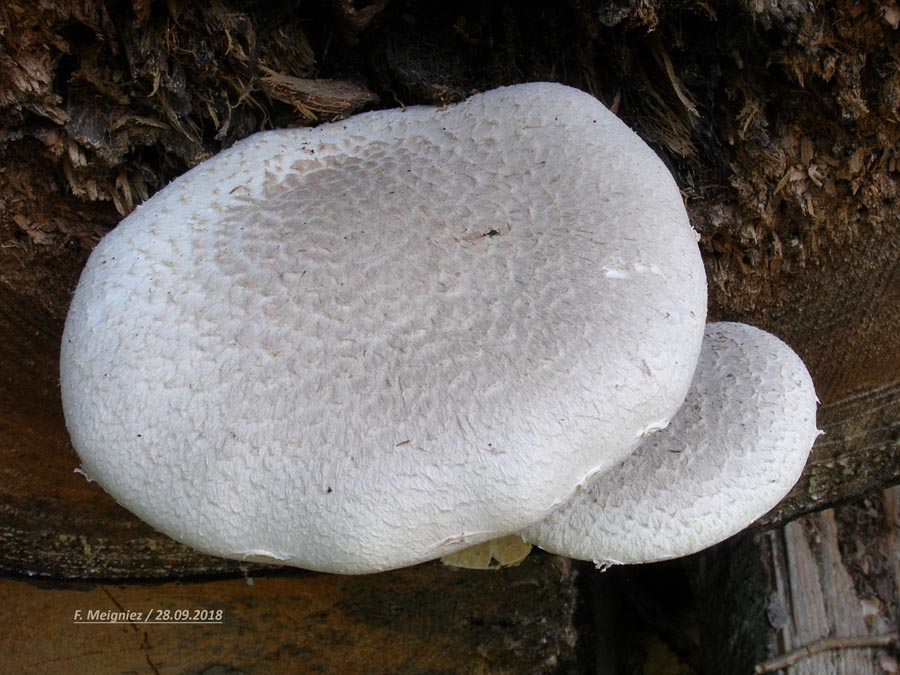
x=733 y=451
x=376 y=342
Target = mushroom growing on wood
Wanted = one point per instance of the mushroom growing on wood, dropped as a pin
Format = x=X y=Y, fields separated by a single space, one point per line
x=733 y=451
x=376 y=342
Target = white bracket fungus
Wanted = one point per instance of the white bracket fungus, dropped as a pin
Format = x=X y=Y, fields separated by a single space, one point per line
x=376 y=342
x=733 y=451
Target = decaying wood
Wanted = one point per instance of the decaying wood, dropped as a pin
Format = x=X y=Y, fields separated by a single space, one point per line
x=333 y=99
x=419 y=620
x=823 y=645
x=779 y=120
x=815 y=588
x=819 y=595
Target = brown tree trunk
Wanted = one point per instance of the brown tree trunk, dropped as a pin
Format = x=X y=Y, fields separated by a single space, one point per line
x=819 y=595
x=779 y=120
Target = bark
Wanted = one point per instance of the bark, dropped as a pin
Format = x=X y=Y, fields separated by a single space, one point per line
x=428 y=619
x=819 y=595
x=777 y=118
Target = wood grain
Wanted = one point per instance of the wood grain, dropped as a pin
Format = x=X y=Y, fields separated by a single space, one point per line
x=819 y=595
x=800 y=234
x=424 y=619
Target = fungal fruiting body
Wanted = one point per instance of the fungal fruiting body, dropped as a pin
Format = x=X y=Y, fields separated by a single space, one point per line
x=733 y=451
x=379 y=341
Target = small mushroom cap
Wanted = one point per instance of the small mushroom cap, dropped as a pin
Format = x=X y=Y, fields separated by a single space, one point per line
x=379 y=341
x=733 y=451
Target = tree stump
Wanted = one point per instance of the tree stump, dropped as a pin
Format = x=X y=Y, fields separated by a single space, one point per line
x=778 y=120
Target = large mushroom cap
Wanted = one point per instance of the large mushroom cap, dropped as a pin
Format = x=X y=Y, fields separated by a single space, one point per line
x=376 y=342
x=733 y=451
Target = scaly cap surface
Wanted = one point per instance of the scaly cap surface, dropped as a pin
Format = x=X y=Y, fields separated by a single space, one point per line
x=733 y=451
x=376 y=342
